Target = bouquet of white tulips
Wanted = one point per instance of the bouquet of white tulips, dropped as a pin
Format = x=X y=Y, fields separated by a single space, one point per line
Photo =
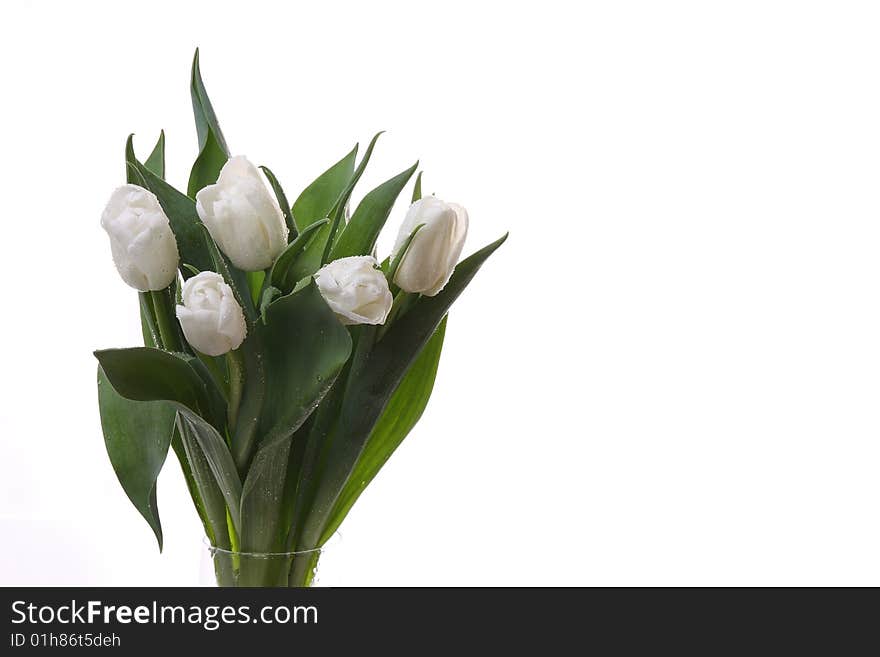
x=283 y=364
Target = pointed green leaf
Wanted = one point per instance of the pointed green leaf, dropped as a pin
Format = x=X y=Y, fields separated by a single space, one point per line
x=318 y=198
x=359 y=236
x=213 y=151
x=341 y=206
x=137 y=436
x=281 y=275
x=309 y=259
x=368 y=394
x=156 y=161
x=399 y=417
x=145 y=374
x=417 y=189
x=206 y=169
x=206 y=119
x=219 y=460
x=409 y=334
x=316 y=251
x=209 y=499
x=282 y=203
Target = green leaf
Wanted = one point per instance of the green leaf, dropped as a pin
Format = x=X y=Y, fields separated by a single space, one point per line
x=394 y=264
x=309 y=259
x=147 y=374
x=317 y=249
x=206 y=169
x=282 y=203
x=234 y=277
x=156 y=161
x=342 y=202
x=209 y=499
x=314 y=436
x=215 y=386
x=359 y=236
x=281 y=275
x=250 y=408
x=206 y=119
x=399 y=417
x=213 y=151
x=255 y=280
x=192 y=487
x=262 y=498
x=269 y=295
x=137 y=436
x=181 y=211
x=305 y=348
x=417 y=189
x=368 y=394
x=219 y=460
x=295 y=461
x=318 y=198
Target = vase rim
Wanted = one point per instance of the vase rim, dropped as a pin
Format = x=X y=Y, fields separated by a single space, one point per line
x=260 y=555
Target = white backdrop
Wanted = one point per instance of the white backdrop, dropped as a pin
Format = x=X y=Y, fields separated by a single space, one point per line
x=670 y=373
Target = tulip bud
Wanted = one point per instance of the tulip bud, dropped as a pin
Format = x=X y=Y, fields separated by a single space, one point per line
x=141 y=240
x=242 y=216
x=355 y=290
x=433 y=253
x=211 y=318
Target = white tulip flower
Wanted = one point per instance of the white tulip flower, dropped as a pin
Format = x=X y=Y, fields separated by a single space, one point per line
x=434 y=251
x=212 y=320
x=355 y=290
x=143 y=245
x=243 y=216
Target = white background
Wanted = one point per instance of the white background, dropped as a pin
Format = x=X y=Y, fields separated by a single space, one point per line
x=670 y=373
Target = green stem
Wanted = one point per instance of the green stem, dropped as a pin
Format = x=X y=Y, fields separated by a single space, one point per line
x=235 y=366
x=244 y=433
x=165 y=320
x=148 y=321
x=216 y=372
